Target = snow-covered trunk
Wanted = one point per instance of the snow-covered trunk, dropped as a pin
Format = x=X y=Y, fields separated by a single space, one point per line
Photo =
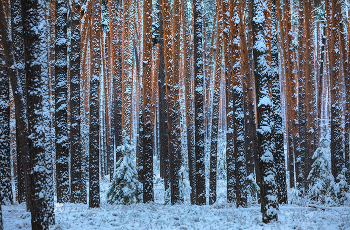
x=277 y=130
x=334 y=15
x=240 y=72
x=172 y=63
x=94 y=128
x=148 y=193
x=262 y=44
x=249 y=106
x=127 y=69
x=36 y=67
x=215 y=102
x=77 y=180
x=301 y=154
x=232 y=33
x=5 y=141
x=163 y=105
x=18 y=82
x=199 y=102
x=347 y=104
x=190 y=117
x=61 y=103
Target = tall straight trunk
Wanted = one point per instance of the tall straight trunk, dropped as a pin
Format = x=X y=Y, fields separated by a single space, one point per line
x=230 y=60
x=173 y=83
x=163 y=105
x=5 y=140
x=262 y=71
x=249 y=109
x=148 y=193
x=94 y=128
x=215 y=113
x=77 y=180
x=311 y=109
x=127 y=69
x=190 y=118
x=61 y=103
x=333 y=11
x=301 y=155
x=15 y=57
x=36 y=67
x=239 y=62
x=291 y=96
x=199 y=104
x=347 y=107
x=277 y=129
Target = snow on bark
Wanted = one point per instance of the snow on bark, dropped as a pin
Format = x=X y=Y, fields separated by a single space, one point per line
x=262 y=59
x=5 y=141
x=147 y=139
x=277 y=130
x=199 y=102
x=77 y=180
x=61 y=103
x=94 y=128
x=36 y=56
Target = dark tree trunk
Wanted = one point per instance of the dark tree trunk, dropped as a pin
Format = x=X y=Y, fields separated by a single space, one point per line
x=36 y=66
x=5 y=140
x=61 y=105
x=163 y=112
x=148 y=193
x=277 y=130
x=94 y=128
x=78 y=185
x=199 y=103
x=14 y=54
x=262 y=72
x=333 y=12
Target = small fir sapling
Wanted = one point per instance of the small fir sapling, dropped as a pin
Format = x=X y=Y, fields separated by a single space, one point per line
x=342 y=188
x=125 y=188
x=321 y=180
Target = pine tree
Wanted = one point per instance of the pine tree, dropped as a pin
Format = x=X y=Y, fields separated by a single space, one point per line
x=77 y=180
x=94 y=128
x=238 y=72
x=35 y=40
x=215 y=113
x=148 y=193
x=18 y=83
x=61 y=104
x=163 y=105
x=190 y=117
x=277 y=130
x=262 y=71
x=199 y=103
x=5 y=141
x=333 y=11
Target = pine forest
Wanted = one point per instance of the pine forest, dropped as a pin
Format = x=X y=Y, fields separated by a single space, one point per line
x=174 y=114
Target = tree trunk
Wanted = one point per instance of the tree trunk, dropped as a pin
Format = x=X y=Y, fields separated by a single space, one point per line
x=5 y=140
x=61 y=104
x=199 y=104
x=36 y=67
x=333 y=11
x=77 y=180
x=277 y=129
x=148 y=193
x=94 y=128
x=262 y=72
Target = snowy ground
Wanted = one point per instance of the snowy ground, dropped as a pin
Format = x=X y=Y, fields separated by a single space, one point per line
x=159 y=216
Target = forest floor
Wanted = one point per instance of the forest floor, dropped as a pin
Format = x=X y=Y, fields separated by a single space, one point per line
x=221 y=215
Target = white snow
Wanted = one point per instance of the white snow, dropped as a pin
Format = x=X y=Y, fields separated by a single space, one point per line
x=156 y=215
